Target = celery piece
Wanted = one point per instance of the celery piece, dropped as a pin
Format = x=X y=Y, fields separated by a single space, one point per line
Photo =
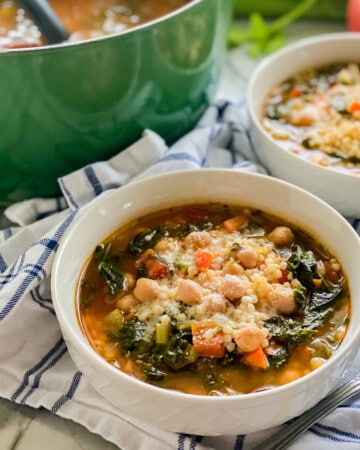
x=191 y=354
x=113 y=322
x=322 y=10
x=162 y=332
x=267 y=37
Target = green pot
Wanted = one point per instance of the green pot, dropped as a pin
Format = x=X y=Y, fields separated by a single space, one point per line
x=65 y=106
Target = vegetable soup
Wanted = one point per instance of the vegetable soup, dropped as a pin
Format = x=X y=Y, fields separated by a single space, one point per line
x=84 y=19
x=213 y=299
x=316 y=115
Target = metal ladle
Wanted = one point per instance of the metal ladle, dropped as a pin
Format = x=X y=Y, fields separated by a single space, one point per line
x=46 y=20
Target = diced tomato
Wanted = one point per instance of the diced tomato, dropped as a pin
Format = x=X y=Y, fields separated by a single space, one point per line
x=203 y=259
x=207 y=346
x=284 y=276
x=155 y=266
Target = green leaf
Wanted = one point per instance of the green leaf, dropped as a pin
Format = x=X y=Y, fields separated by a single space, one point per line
x=258 y=28
x=303 y=265
x=275 y=42
x=319 y=299
x=131 y=334
x=279 y=358
x=267 y=37
x=146 y=239
x=108 y=267
x=256 y=49
x=114 y=280
x=237 y=36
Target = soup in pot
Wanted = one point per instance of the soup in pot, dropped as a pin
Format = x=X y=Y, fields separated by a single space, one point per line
x=84 y=19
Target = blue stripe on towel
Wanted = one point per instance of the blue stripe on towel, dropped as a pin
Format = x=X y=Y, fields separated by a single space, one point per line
x=36 y=382
x=180 y=157
x=93 y=180
x=45 y=303
x=50 y=246
x=194 y=441
x=26 y=378
x=70 y=393
x=36 y=271
x=70 y=199
x=3 y=265
x=181 y=441
x=336 y=432
x=7 y=233
x=239 y=442
x=13 y=271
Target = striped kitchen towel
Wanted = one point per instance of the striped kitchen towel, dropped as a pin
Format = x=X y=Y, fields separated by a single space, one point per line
x=35 y=366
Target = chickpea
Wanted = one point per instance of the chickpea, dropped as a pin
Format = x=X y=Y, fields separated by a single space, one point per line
x=146 y=290
x=282 y=299
x=198 y=239
x=130 y=280
x=189 y=291
x=216 y=303
x=126 y=303
x=248 y=257
x=250 y=338
x=165 y=244
x=233 y=268
x=232 y=287
x=281 y=236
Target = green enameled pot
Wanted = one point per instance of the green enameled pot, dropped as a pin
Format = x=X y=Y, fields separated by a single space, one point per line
x=69 y=105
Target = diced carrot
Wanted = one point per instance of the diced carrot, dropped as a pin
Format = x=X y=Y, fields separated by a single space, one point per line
x=295 y=92
x=203 y=259
x=207 y=346
x=235 y=223
x=256 y=358
x=317 y=283
x=305 y=353
x=354 y=106
x=198 y=327
x=155 y=266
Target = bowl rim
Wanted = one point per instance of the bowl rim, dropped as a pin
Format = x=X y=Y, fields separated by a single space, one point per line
x=82 y=342
x=129 y=31
x=270 y=61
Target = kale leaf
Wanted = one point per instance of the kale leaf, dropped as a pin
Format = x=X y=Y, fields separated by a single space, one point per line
x=279 y=358
x=289 y=331
x=131 y=334
x=114 y=280
x=108 y=267
x=151 y=372
x=146 y=239
x=179 y=352
x=322 y=298
x=303 y=266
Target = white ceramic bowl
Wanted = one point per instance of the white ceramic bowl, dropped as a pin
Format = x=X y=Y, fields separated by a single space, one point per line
x=340 y=190
x=174 y=411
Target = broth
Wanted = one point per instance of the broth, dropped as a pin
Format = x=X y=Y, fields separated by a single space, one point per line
x=213 y=300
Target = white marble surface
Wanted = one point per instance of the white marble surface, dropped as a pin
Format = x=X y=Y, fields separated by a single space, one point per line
x=24 y=428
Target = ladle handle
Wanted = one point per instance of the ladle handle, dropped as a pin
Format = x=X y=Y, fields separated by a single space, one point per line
x=46 y=19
